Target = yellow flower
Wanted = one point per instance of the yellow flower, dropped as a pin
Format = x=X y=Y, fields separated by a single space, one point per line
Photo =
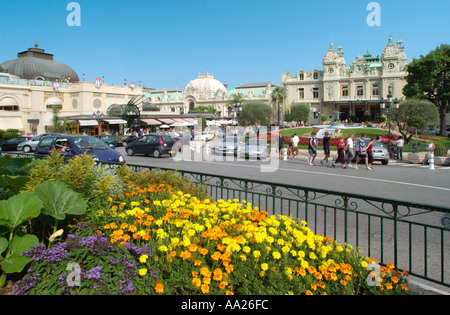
x=276 y=255
x=256 y=253
x=142 y=272
x=143 y=259
x=163 y=248
x=264 y=266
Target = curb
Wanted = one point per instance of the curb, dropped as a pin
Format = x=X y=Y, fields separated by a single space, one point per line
x=416 y=288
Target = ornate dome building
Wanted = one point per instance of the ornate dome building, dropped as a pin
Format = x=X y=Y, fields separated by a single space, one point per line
x=36 y=64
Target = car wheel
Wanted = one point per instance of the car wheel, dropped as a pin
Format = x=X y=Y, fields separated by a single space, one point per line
x=26 y=149
x=130 y=152
x=385 y=162
x=156 y=154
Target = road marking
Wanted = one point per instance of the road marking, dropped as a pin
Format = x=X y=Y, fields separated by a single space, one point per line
x=331 y=174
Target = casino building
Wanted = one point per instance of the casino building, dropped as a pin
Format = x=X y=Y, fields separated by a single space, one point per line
x=350 y=92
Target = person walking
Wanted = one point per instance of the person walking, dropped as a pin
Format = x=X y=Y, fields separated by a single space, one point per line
x=341 y=154
x=326 y=148
x=370 y=152
x=312 y=148
x=400 y=142
x=362 y=152
x=280 y=145
x=295 y=141
x=348 y=161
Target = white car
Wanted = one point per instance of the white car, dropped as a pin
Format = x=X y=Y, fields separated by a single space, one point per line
x=205 y=136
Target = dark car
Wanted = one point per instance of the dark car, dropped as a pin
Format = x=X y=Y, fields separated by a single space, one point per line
x=109 y=140
x=153 y=144
x=71 y=146
x=124 y=141
x=11 y=144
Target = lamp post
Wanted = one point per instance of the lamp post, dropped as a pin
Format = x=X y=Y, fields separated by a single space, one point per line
x=237 y=109
x=98 y=115
x=383 y=104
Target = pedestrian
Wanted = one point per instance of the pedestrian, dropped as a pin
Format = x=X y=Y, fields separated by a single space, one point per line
x=295 y=141
x=341 y=154
x=362 y=152
x=290 y=149
x=280 y=145
x=400 y=142
x=326 y=148
x=350 y=155
x=370 y=151
x=312 y=148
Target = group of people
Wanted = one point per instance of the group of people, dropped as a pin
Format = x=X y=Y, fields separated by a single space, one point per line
x=346 y=150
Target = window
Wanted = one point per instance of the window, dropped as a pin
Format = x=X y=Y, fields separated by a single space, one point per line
x=301 y=76
x=316 y=75
x=301 y=93
x=315 y=92
x=360 y=90
x=345 y=91
x=46 y=144
x=375 y=90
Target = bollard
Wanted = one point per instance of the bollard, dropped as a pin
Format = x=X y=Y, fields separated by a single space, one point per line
x=431 y=160
x=285 y=154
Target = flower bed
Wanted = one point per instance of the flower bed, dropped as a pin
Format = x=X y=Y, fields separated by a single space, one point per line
x=159 y=240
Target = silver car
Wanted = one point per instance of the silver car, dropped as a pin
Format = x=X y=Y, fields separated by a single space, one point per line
x=30 y=145
x=379 y=152
x=254 y=148
x=228 y=145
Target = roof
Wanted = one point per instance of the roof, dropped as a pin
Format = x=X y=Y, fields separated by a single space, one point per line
x=35 y=63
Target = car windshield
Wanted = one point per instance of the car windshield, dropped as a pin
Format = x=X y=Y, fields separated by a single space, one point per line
x=89 y=143
x=230 y=139
x=108 y=137
x=260 y=143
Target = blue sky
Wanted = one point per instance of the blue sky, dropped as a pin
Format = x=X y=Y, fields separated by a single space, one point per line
x=166 y=43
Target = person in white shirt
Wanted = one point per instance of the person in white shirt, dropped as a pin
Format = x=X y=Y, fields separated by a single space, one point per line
x=295 y=141
x=350 y=155
x=400 y=142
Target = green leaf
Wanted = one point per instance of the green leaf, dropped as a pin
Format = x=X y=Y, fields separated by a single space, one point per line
x=58 y=200
x=3 y=244
x=15 y=262
x=18 y=209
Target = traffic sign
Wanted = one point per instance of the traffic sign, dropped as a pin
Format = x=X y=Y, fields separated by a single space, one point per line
x=430 y=146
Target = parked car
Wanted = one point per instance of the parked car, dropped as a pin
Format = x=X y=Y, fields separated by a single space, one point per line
x=228 y=145
x=71 y=146
x=30 y=145
x=124 y=141
x=109 y=140
x=254 y=148
x=11 y=144
x=205 y=136
x=156 y=144
x=380 y=153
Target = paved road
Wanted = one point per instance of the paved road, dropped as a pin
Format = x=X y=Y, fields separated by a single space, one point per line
x=395 y=181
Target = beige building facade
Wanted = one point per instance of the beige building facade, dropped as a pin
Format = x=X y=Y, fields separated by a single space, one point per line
x=350 y=92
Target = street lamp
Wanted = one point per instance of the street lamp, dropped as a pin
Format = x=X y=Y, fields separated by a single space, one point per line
x=237 y=108
x=98 y=116
x=383 y=104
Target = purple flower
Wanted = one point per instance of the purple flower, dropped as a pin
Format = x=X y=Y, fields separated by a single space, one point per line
x=94 y=273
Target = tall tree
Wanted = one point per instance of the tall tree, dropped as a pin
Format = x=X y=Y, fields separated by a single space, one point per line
x=278 y=96
x=299 y=113
x=428 y=78
x=255 y=113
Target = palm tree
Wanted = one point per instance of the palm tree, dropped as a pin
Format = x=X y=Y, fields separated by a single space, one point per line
x=278 y=96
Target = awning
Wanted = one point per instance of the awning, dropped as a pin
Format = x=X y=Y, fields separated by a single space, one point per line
x=116 y=121
x=88 y=122
x=167 y=120
x=151 y=121
x=11 y=123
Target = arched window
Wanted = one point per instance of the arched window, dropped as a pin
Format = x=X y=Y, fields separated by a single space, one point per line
x=9 y=104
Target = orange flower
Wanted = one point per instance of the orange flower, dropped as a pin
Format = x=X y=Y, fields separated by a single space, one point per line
x=203 y=251
x=159 y=288
x=312 y=269
x=229 y=268
x=132 y=228
x=216 y=256
x=205 y=289
x=229 y=292
x=186 y=254
x=193 y=248
x=196 y=282
x=318 y=276
x=124 y=225
x=308 y=292
x=197 y=262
